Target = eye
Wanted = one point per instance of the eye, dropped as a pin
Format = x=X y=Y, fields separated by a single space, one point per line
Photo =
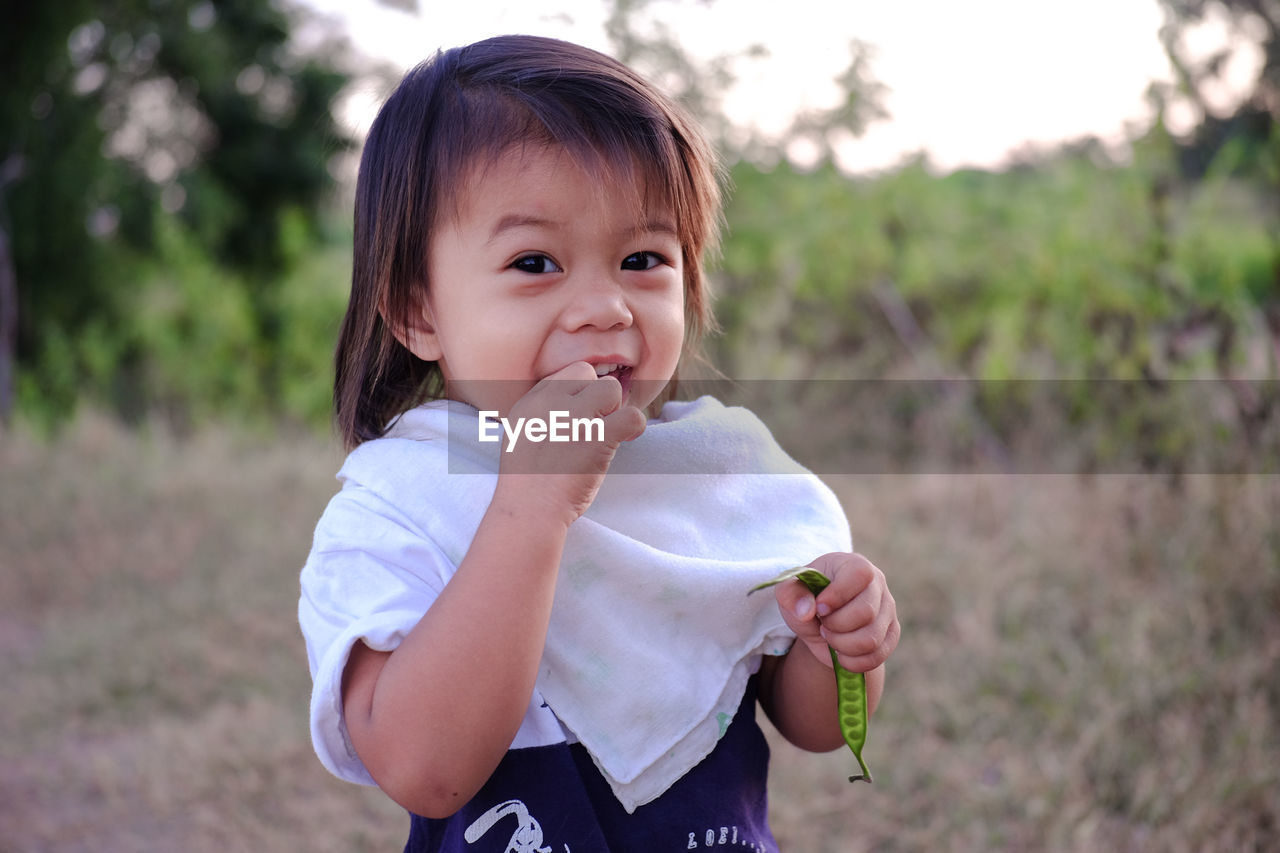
x=535 y=264
x=643 y=261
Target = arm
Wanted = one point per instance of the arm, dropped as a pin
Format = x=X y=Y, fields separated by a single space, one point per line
x=855 y=615
x=432 y=719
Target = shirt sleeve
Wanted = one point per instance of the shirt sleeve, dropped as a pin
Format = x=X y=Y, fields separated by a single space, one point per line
x=371 y=575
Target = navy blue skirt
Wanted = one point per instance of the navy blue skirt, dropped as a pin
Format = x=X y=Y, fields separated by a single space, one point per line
x=552 y=799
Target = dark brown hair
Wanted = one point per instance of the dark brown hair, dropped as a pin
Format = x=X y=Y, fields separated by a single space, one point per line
x=463 y=109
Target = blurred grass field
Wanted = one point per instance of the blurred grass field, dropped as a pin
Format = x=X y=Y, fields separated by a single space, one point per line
x=1087 y=664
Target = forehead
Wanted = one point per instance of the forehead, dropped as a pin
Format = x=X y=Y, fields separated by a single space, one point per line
x=526 y=180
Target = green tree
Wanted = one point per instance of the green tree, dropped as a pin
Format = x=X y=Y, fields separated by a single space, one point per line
x=1245 y=137
x=1243 y=142
x=121 y=116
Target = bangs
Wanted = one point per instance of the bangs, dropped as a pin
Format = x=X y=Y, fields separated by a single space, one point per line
x=498 y=124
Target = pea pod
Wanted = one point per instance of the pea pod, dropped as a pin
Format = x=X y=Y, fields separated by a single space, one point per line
x=851 y=687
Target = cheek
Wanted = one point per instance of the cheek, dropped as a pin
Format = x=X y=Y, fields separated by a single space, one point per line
x=675 y=331
x=666 y=338
x=495 y=339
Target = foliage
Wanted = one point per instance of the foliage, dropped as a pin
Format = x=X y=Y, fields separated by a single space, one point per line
x=1248 y=24
x=132 y=121
x=1068 y=267
x=1061 y=268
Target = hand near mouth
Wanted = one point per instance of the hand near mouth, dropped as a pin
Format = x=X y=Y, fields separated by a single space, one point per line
x=570 y=473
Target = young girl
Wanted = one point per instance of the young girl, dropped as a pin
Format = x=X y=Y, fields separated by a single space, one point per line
x=544 y=642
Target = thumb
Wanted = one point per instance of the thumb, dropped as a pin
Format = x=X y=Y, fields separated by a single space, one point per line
x=798 y=606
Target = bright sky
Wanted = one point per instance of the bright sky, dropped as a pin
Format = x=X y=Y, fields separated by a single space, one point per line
x=968 y=82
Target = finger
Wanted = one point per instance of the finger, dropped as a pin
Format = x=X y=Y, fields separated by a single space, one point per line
x=866 y=638
x=568 y=380
x=795 y=600
x=601 y=396
x=625 y=424
x=875 y=658
x=851 y=575
x=577 y=371
x=855 y=614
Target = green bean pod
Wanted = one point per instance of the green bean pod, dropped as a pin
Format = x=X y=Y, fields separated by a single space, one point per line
x=851 y=687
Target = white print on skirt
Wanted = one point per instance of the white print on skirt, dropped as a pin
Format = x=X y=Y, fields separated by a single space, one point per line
x=728 y=835
x=528 y=835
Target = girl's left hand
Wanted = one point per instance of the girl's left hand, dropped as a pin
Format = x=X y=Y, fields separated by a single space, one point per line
x=855 y=615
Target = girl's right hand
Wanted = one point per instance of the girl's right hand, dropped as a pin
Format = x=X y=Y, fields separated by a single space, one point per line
x=566 y=474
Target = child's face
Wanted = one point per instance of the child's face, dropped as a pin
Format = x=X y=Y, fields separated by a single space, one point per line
x=542 y=268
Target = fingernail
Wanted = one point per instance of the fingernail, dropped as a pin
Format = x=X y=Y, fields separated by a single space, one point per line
x=804 y=607
x=823 y=608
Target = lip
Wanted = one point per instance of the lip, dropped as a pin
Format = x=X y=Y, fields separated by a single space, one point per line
x=620 y=360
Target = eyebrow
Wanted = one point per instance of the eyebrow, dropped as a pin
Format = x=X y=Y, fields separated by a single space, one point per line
x=656 y=226
x=519 y=220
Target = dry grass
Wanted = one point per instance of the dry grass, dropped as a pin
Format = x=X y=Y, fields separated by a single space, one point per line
x=156 y=682
x=1087 y=664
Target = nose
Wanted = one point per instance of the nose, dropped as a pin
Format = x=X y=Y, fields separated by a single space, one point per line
x=597 y=302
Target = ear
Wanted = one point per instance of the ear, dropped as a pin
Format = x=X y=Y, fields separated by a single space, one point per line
x=417 y=333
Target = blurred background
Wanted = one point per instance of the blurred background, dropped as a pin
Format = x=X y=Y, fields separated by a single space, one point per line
x=995 y=192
